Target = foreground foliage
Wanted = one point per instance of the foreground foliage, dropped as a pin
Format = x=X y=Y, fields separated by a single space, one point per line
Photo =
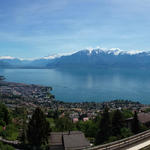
x=33 y=131
x=6 y=147
x=8 y=129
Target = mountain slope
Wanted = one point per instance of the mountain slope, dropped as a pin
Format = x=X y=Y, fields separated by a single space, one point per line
x=88 y=58
x=104 y=58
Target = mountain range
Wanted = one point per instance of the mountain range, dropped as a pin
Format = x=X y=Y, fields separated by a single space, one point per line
x=84 y=58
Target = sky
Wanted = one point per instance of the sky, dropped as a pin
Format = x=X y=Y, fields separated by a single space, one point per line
x=37 y=28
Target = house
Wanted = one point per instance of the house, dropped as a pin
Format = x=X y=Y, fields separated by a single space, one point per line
x=85 y=119
x=71 y=140
x=75 y=120
x=128 y=122
x=143 y=118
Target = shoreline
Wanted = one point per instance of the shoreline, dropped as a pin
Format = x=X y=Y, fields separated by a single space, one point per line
x=20 y=94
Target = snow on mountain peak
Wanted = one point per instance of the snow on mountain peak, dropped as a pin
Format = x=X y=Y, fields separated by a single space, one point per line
x=7 y=57
x=134 y=52
x=58 y=55
x=88 y=51
x=114 y=51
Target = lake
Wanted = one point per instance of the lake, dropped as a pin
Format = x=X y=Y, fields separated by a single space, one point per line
x=76 y=85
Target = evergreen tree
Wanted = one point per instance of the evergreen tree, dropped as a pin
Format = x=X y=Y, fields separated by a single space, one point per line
x=117 y=123
x=135 y=124
x=104 y=128
x=4 y=114
x=38 y=129
x=24 y=128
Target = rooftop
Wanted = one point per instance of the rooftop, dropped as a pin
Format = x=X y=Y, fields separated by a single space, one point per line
x=73 y=140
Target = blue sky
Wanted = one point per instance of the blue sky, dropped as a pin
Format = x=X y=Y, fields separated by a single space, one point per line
x=36 y=28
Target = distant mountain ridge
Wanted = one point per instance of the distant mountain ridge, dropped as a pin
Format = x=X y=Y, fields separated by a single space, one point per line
x=93 y=58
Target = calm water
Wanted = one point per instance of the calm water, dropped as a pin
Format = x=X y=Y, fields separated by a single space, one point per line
x=88 y=85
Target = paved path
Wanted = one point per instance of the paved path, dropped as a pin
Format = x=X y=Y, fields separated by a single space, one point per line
x=9 y=142
x=140 y=145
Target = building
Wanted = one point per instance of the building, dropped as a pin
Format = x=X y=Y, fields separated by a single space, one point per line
x=71 y=140
x=128 y=122
x=85 y=119
x=143 y=118
x=75 y=120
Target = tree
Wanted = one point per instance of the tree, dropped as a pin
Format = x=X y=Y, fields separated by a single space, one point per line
x=64 y=124
x=135 y=124
x=104 y=128
x=4 y=114
x=38 y=129
x=127 y=113
x=117 y=123
x=89 y=128
x=24 y=128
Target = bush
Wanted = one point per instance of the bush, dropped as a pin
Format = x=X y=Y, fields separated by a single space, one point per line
x=125 y=132
x=6 y=147
x=64 y=124
x=51 y=123
x=11 y=133
x=112 y=139
x=89 y=128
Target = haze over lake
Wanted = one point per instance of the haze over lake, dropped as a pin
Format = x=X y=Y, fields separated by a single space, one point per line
x=76 y=85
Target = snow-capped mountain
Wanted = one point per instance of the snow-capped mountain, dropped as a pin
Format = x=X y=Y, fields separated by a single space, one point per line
x=88 y=57
x=9 y=62
x=105 y=58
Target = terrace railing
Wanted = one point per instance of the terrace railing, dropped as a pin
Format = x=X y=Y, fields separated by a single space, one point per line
x=123 y=143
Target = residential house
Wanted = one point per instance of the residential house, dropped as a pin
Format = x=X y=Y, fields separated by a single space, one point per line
x=71 y=140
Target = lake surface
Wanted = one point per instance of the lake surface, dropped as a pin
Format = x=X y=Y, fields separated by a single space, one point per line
x=88 y=84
